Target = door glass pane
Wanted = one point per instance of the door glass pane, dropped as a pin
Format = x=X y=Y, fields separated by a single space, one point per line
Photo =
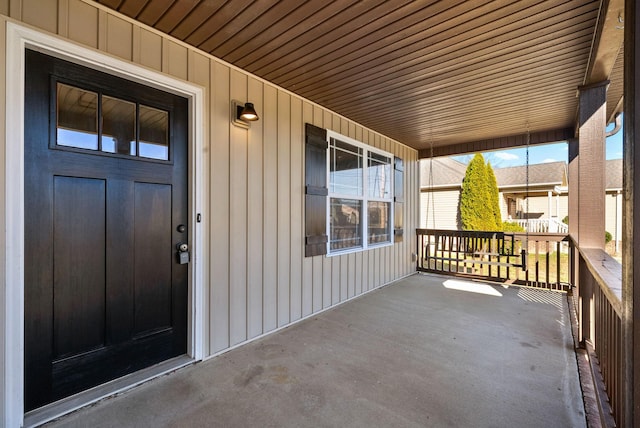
x=77 y=117
x=118 y=126
x=154 y=133
x=379 y=222
x=345 y=223
x=345 y=168
x=379 y=173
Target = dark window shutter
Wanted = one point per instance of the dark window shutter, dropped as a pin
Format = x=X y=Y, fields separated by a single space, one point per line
x=315 y=202
x=398 y=199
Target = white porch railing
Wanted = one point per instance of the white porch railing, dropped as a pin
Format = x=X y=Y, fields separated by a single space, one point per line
x=542 y=225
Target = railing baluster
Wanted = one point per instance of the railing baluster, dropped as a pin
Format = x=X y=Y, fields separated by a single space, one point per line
x=537 y=263
x=558 y=279
x=547 y=271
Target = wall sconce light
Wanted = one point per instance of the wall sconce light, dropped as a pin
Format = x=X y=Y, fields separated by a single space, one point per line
x=243 y=114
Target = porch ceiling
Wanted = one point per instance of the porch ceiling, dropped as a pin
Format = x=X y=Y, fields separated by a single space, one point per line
x=454 y=73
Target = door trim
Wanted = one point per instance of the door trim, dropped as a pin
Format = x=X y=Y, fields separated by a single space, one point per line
x=18 y=39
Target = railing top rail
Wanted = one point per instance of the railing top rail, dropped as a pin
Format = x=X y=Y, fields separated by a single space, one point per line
x=533 y=236
x=464 y=233
x=536 y=236
x=607 y=272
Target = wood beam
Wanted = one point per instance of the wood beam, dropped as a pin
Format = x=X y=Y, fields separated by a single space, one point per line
x=499 y=143
x=607 y=41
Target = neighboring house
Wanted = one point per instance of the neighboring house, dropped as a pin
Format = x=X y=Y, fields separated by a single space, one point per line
x=537 y=195
x=533 y=193
x=613 y=203
x=440 y=193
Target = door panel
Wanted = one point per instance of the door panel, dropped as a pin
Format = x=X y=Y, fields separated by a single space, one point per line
x=79 y=265
x=104 y=293
x=153 y=257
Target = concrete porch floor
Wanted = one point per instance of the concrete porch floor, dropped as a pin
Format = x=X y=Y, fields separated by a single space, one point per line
x=412 y=354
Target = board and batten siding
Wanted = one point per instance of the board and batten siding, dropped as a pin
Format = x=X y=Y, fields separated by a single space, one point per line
x=255 y=273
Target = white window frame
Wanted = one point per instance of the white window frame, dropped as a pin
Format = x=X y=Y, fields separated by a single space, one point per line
x=365 y=198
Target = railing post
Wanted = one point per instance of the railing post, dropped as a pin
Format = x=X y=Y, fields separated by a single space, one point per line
x=574 y=263
x=586 y=304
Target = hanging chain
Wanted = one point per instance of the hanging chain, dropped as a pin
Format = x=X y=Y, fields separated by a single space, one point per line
x=527 y=177
x=431 y=195
x=527 y=187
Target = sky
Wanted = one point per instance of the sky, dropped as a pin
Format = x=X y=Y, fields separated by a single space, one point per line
x=543 y=153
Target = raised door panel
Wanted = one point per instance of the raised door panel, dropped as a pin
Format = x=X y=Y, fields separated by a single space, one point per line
x=79 y=265
x=153 y=254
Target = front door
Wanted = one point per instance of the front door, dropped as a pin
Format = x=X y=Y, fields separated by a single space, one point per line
x=106 y=207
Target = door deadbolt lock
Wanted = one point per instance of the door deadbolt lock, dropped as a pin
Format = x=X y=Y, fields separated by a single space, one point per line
x=183 y=253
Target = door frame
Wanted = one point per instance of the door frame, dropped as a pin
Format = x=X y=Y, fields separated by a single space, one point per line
x=18 y=39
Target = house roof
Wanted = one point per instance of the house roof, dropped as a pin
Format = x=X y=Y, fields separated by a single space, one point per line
x=448 y=172
x=551 y=173
x=464 y=76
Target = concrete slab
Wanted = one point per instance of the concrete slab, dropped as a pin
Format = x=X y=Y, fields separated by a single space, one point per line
x=420 y=352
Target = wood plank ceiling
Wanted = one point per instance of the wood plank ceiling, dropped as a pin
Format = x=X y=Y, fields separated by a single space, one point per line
x=444 y=72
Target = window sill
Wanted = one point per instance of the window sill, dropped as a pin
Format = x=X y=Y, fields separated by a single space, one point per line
x=359 y=249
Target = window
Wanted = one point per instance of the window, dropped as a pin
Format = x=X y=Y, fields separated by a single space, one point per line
x=360 y=208
x=91 y=120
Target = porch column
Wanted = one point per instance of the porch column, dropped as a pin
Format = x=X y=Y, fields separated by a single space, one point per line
x=587 y=191
x=591 y=165
x=574 y=214
x=631 y=204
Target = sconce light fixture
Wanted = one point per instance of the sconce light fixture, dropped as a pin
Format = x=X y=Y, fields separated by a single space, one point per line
x=243 y=114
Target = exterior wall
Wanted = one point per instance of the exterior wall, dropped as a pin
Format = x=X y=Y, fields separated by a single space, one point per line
x=255 y=275
x=540 y=205
x=444 y=209
x=563 y=206
x=504 y=209
x=613 y=215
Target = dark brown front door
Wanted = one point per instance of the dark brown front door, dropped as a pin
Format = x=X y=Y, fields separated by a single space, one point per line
x=105 y=207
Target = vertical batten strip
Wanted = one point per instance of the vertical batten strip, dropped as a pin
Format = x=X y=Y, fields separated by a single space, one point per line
x=284 y=209
x=296 y=191
x=270 y=221
x=102 y=30
x=63 y=18
x=255 y=209
x=219 y=209
x=238 y=221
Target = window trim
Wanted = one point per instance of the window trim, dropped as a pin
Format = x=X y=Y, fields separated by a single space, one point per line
x=365 y=198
